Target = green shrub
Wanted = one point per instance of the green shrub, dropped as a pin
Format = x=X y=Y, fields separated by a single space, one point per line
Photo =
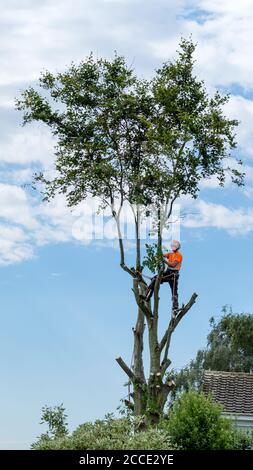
x=108 y=434
x=55 y=418
x=151 y=439
x=243 y=439
x=195 y=423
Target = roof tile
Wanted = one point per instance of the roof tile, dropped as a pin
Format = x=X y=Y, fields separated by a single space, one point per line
x=234 y=390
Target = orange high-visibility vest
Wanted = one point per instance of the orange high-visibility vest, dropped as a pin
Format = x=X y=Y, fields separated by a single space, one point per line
x=174 y=256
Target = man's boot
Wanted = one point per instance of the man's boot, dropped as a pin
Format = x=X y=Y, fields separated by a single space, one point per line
x=174 y=306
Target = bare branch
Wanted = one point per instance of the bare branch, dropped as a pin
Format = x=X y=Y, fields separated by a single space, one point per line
x=171 y=205
x=125 y=368
x=185 y=308
x=165 y=342
x=138 y=331
x=116 y=216
x=141 y=303
x=156 y=293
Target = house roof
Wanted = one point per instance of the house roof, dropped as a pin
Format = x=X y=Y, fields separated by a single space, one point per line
x=234 y=390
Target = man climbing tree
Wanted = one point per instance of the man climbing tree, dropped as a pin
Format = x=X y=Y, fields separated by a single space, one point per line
x=130 y=141
x=171 y=275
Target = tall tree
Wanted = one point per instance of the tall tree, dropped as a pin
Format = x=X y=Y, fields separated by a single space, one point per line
x=229 y=348
x=132 y=141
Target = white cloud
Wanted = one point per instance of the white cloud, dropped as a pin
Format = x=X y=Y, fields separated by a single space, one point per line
x=14 y=206
x=226 y=6
x=52 y=33
x=23 y=176
x=28 y=223
x=235 y=221
x=223 y=30
x=14 y=245
x=31 y=144
x=242 y=109
x=56 y=222
x=35 y=35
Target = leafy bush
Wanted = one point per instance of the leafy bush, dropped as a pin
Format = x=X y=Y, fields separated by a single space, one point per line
x=243 y=439
x=108 y=434
x=195 y=423
x=55 y=418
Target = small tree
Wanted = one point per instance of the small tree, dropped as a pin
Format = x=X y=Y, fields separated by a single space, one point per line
x=229 y=348
x=128 y=141
x=56 y=419
x=195 y=423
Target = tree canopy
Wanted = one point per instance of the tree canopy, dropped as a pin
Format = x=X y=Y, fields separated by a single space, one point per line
x=229 y=348
x=119 y=136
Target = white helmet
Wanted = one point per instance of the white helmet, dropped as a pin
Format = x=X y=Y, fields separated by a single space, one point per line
x=175 y=245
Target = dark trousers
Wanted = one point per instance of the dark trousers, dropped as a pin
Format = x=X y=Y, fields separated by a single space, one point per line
x=171 y=276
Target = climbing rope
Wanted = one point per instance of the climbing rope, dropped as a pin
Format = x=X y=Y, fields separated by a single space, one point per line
x=144 y=275
x=129 y=382
x=151 y=278
x=173 y=291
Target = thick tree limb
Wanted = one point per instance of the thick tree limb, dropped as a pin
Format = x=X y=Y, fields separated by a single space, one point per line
x=156 y=293
x=127 y=269
x=138 y=346
x=165 y=342
x=122 y=252
x=136 y=216
x=174 y=321
x=125 y=368
x=182 y=311
x=141 y=303
x=116 y=216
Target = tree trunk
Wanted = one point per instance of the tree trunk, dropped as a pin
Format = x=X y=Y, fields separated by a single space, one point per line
x=138 y=368
x=150 y=395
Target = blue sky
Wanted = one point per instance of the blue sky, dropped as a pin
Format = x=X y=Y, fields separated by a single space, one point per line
x=67 y=309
